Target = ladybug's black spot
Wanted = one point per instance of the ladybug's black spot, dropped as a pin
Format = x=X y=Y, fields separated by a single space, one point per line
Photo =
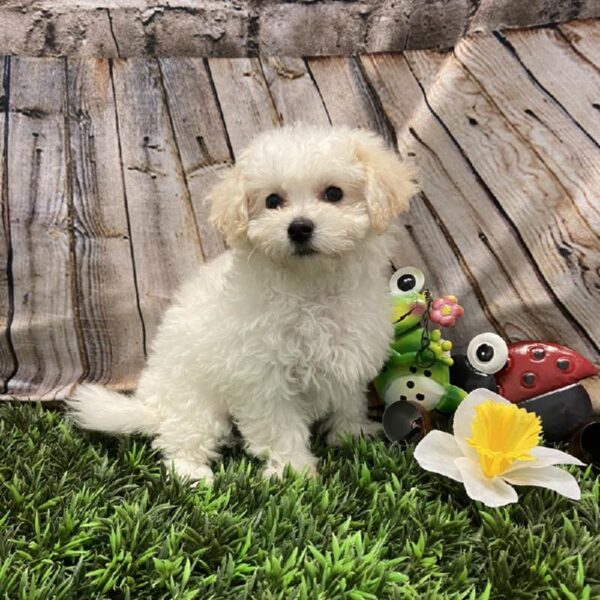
x=421 y=397
x=427 y=373
x=403 y=398
x=413 y=369
x=410 y=384
x=563 y=364
x=538 y=353
x=528 y=379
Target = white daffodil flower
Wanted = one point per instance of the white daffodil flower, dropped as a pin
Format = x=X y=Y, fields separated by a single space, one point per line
x=495 y=443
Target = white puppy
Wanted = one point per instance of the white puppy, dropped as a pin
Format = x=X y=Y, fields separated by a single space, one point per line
x=287 y=327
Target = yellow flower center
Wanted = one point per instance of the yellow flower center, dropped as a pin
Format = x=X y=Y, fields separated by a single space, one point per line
x=502 y=434
x=446 y=310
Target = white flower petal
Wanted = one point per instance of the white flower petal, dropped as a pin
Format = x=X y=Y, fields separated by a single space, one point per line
x=436 y=452
x=545 y=457
x=492 y=491
x=552 y=478
x=465 y=413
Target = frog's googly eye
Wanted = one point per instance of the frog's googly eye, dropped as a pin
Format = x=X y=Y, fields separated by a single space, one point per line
x=487 y=353
x=407 y=280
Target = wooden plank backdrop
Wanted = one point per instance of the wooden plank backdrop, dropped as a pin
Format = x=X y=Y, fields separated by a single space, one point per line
x=7 y=356
x=105 y=166
x=107 y=286
x=45 y=331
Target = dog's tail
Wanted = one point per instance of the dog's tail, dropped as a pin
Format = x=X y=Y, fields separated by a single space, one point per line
x=95 y=407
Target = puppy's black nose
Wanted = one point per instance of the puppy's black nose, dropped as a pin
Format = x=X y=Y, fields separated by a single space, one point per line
x=300 y=230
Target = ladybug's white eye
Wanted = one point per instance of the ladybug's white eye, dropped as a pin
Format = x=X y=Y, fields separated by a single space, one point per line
x=407 y=280
x=487 y=353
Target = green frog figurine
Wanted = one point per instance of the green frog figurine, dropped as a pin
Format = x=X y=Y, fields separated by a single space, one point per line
x=418 y=368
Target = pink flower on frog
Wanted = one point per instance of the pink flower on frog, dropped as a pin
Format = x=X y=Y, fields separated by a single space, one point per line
x=446 y=311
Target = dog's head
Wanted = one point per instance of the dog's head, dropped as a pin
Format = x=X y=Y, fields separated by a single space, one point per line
x=299 y=192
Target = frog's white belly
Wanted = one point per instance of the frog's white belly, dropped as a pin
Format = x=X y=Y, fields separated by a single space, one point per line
x=414 y=388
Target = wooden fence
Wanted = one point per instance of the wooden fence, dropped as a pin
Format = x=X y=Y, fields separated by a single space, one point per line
x=105 y=164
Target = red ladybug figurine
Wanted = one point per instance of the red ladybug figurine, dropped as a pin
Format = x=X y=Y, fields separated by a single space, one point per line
x=536 y=368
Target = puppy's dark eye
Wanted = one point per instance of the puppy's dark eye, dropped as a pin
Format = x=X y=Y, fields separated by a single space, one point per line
x=273 y=201
x=333 y=194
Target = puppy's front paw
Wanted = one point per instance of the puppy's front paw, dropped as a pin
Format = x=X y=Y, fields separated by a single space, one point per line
x=306 y=466
x=365 y=428
x=194 y=471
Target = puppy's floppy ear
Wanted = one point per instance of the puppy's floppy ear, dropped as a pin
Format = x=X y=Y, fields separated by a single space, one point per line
x=389 y=183
x=229 y=205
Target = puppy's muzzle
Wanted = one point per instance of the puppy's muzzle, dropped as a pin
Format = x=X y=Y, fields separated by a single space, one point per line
x=300 y=231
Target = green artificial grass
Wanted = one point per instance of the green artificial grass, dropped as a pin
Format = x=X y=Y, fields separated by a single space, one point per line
x=89 y=516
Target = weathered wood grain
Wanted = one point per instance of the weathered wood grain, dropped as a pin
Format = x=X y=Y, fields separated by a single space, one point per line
x=294 y=93
x=107 y=298
x=548 y=57
x=560 y=241
x=395 y=27
x=200 y=136
x=346 y=97
x=227 y=28
x=244 y=99
x=7 y=359
x=494 y=15
x=164 y=233
x=572 y=158
x=510 y=292
x=584 y=37
x=302 y=29
x=44 y=332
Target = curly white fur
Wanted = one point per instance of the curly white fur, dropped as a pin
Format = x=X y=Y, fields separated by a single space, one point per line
x=263 y=337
